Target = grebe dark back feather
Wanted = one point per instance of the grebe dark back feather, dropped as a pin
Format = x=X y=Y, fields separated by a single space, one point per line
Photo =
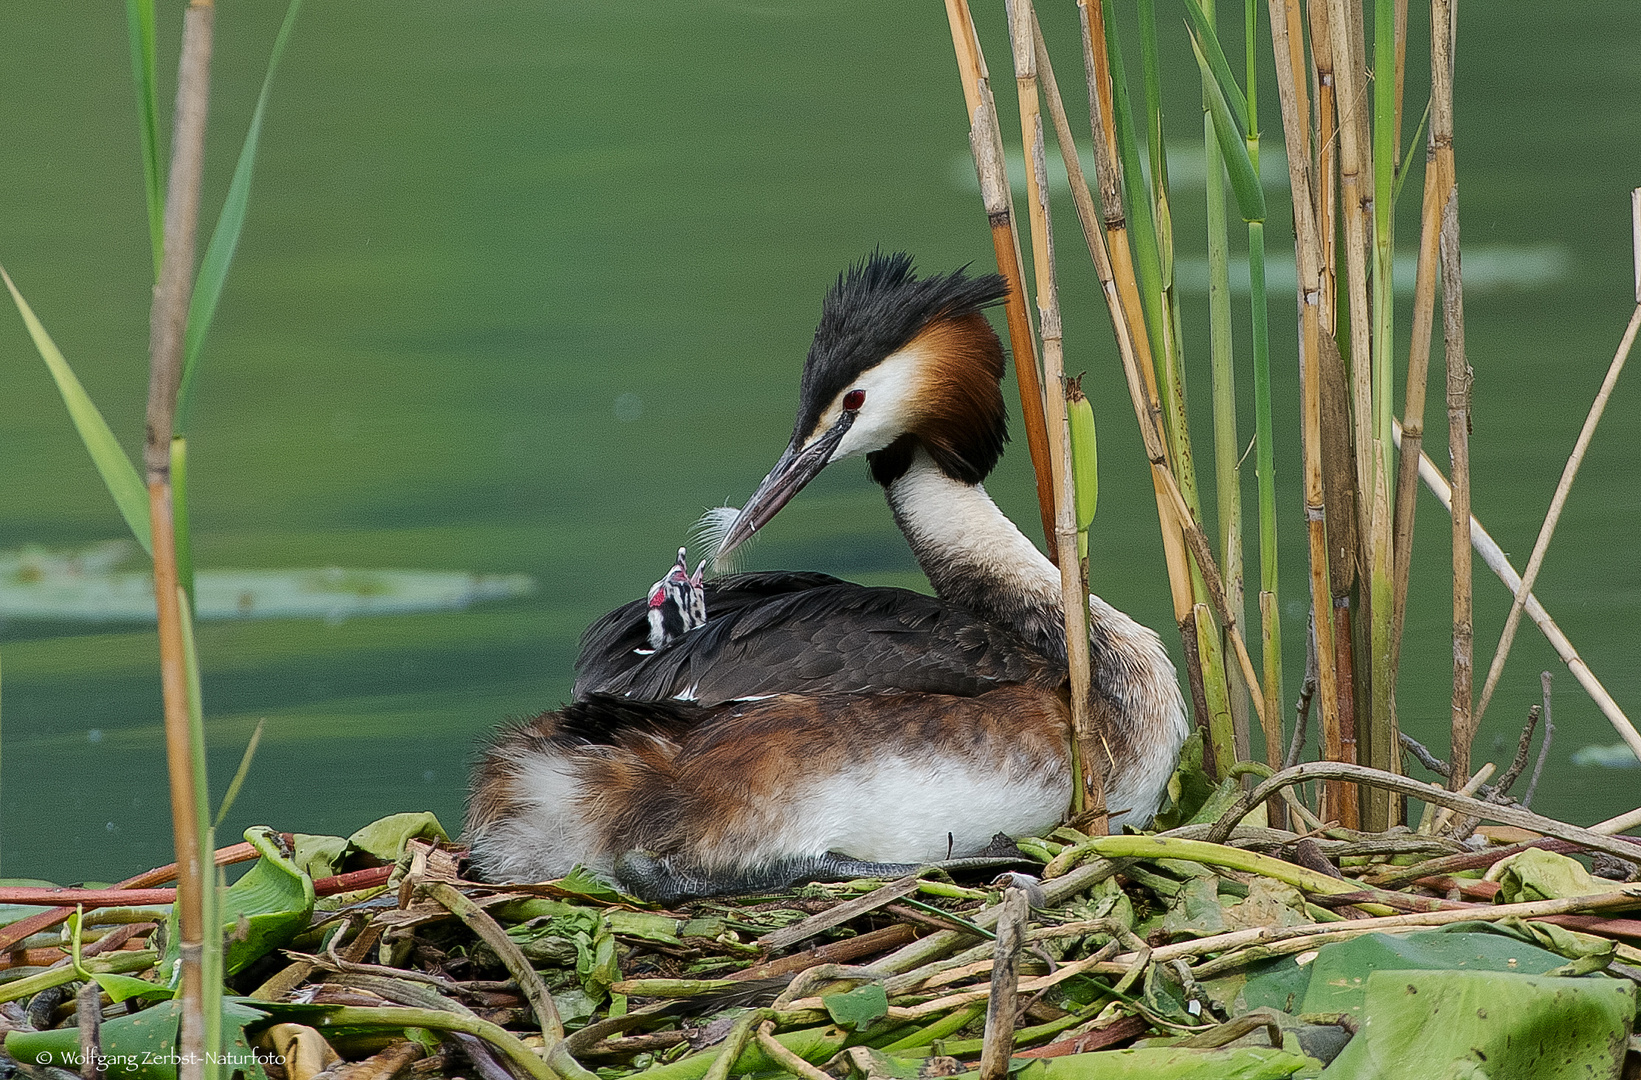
x=776 y=633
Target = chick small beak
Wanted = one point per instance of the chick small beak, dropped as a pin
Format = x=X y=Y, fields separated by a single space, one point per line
x=796 y=467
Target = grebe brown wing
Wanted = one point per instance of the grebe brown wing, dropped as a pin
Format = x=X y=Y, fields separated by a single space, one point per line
x=803 y=633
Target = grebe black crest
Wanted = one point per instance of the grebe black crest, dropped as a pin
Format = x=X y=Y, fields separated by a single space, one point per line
x=797 y=727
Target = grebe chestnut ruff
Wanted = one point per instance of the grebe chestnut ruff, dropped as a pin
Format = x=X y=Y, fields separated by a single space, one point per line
x=810 y=728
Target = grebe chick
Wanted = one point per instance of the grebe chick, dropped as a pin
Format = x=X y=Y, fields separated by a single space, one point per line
x=812 y=726
x=676 y=605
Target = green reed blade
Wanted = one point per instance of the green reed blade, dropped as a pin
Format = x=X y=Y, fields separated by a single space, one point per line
x=1142 y=231
x=1201 y=28
x=219 y=253
x=1265 y=467
x=1401 y=176
x=1229 y=131
x=239 y=774
x=1222 y=369
x=112 y=463
x=179 y=516
x=1215 y=689
x=139 y=20
x=1151 y=83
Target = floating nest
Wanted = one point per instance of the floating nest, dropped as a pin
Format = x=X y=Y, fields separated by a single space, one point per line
x=1216 y=949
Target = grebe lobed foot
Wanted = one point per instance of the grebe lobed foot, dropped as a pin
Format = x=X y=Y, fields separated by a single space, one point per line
x=666 y=880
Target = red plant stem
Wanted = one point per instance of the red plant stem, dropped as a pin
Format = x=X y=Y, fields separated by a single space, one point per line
x=117 y=897
x=45 y=920
x=136 y=890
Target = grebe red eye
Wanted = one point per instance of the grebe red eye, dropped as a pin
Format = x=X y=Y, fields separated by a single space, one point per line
x=853 y=400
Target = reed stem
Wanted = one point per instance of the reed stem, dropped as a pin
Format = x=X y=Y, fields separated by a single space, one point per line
x=1264 y=458
x=1088 y=796
x=1381 y=730
x=1110 y=118
x=1227 y=445
x=1458 y=445
x=170 y=308
x=1308 y=252
x=982 y=112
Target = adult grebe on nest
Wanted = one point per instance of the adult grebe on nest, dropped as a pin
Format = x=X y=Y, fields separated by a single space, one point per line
x=811 y=728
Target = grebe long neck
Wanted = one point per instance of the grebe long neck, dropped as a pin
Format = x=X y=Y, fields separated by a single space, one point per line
x=975 y=556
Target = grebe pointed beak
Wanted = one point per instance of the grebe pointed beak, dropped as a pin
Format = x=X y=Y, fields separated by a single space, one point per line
x=796 y=467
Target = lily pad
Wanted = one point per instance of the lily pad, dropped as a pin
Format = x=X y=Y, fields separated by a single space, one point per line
x=1340 y=972
x=144 y=1046
x=1447 y=1025
x=104 y=583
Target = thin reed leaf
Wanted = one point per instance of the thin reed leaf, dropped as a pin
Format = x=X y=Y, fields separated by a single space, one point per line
x=139 y=20
x=1401 y=173
x=219 y=253
x=1232 y=138
x=1265 y=469
x=239 y=774
x=1143 y=231
x=1201 y=28
x=1151 y=84
x=179 y=515
x=112 y=463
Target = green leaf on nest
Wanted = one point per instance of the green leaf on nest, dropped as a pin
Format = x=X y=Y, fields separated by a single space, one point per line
x=858 y=1008
x=260 y=912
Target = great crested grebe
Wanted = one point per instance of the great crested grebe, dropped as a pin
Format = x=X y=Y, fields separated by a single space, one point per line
x=813 y=728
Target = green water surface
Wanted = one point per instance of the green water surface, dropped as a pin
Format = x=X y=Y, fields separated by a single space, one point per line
x=526 y=286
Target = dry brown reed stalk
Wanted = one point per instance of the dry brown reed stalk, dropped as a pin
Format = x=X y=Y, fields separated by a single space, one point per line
x=1088 y=797
x=1438 y=192
x=1309 y=253
x=1326 y=165
x=1439 y=178
x=1393 y=782
x=1169 y=496
x=983 y=126
x=1622 y=823
x=1341 y=497
x=1005 y=972
x=1499 y=563
x=1559 y=500
x=1355 y=164
x=1141 y=370
x=169 y=314
x=491 y=933
x=1129 y=327
x=1458 y=445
